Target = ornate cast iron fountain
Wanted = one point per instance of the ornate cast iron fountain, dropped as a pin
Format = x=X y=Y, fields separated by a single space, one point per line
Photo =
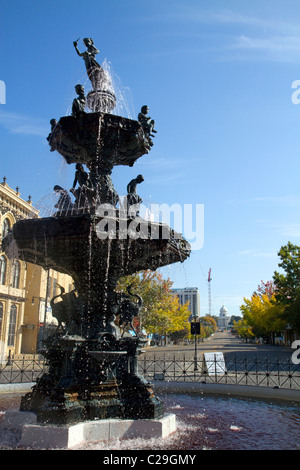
x=92 y=360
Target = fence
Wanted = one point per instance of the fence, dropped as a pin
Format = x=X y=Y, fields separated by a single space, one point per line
x=235 y=370
x=267 y=372
x=21 y=370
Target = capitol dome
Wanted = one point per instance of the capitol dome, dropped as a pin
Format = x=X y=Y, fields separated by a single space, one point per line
x=224 y=318
x=223 y=311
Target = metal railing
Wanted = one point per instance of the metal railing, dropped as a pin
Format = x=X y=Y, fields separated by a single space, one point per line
x=21 y=370
x=267 y=372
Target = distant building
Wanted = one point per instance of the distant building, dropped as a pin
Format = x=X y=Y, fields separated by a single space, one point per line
x=191 y=295
x=224 y=318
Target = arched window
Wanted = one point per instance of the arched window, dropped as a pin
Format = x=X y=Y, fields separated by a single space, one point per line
x=3 y=264
x=5 y=227
x=16 y=274
x=1 y=319
x=12 y=325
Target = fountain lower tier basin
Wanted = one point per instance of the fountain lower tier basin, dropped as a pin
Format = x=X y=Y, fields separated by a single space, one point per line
x=94 y=249
x=36 y=436
x=99 y=138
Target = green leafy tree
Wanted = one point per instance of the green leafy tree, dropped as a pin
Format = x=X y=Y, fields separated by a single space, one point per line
x=243 y=329
x=288 y=284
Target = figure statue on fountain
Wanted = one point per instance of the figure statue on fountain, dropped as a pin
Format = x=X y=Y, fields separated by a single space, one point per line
x=89 y=54
x=80 y=194
x=146 y=121
x=101 y=98
x=133 y=199
x=81 y=176
x=64 y=202
x=53 y=124
x=79 y=103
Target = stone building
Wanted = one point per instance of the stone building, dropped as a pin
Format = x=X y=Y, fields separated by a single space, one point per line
x=191 y=295
x=25 y=289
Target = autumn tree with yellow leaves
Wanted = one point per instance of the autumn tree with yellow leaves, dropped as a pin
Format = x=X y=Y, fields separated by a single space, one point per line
x=262 y=314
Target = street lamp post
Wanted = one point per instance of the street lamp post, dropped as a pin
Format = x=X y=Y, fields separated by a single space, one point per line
x=195 y=330
x=45 y=310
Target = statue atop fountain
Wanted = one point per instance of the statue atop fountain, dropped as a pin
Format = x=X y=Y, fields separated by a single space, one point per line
x=102 y=97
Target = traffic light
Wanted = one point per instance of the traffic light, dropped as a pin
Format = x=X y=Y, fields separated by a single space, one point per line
x=195 y=328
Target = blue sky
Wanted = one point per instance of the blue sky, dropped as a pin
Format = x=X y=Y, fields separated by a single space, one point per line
x=217 y=76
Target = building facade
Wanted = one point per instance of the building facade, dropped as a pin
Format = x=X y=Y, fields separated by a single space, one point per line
x=191 y=295
x=25 y=289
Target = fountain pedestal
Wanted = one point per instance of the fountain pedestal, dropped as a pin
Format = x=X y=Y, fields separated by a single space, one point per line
x=37 y=436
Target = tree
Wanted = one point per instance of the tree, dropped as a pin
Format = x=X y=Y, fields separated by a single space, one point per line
x=234 y=318
x=263 y=313
x=288 y=284
x=266 y=288
x=209 y=321
x=161 y=312
x=243 y=329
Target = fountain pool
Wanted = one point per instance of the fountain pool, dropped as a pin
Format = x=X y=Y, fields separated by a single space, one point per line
x=204 y=422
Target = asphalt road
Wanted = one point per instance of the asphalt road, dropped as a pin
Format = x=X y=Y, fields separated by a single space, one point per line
x=221 y=342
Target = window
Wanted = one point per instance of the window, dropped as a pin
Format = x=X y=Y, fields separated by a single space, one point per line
x=2 y=269
x=12 y=325
x=1 y=318
x=5 y=227
x=16 y=274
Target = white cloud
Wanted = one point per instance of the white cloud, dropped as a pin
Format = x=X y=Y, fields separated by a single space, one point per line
x=21 y=124
x=282 y=48
x=287 y=230
x=257 y=38
x=285 y=201
x=256 y=253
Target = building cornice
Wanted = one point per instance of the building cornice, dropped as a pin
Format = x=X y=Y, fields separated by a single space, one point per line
x=10 y=198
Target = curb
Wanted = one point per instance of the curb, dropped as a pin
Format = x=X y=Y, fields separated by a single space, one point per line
x=248 y=391
x=16 y=388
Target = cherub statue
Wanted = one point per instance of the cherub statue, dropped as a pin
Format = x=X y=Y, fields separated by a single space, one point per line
x=146 y=121
x=132 y=196
x=81 y=176
x=64 y=202
x=82 y=192
x=53 y=123
x=79 y=103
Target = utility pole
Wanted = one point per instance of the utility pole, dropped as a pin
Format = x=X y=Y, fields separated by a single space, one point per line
x=209 y=291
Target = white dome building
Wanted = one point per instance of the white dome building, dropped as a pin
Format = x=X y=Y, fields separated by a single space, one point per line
x=224 y=318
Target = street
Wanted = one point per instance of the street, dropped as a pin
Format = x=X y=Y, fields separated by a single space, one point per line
x=241 y=363
x=223 y=342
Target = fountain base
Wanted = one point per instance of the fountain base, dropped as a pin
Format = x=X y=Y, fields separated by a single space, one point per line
x=34 y=436
x=85 y=382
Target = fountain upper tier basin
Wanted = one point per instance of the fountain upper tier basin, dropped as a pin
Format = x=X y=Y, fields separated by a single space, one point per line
x=100 y=139
x=79 y=246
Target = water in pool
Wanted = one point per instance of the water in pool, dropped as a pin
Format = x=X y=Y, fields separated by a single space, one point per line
x=206 y=423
